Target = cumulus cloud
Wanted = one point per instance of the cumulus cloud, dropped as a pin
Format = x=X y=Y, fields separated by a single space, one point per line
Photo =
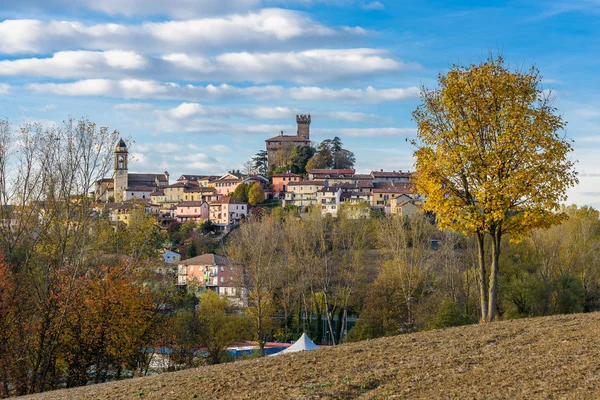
x=150 y=89
x=4 y=88
x=266 y=27
x=302 y=67
x=173 y=8
x=188 y=110
x=367 y=132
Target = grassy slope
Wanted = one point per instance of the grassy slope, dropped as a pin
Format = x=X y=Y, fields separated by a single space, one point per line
x=555 y=357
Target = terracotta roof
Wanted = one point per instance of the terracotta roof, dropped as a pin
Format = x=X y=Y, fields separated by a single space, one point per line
x=307 y=183
x=207 y=259
x=287 y=174
x=190 y=203
x=140 y=188
x=199 y=189
x=147 y=177
x=287 y=138
x=391 y=187
x=190 y=177
x=158 y=192
x=392 y=174
x=227 y=200
x=365 y=177
x=349 y=171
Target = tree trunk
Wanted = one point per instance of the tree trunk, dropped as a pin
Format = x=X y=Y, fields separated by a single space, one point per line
x=483 y=299
x=496 y=237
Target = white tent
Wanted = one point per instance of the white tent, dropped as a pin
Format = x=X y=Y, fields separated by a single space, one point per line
x=302 y=344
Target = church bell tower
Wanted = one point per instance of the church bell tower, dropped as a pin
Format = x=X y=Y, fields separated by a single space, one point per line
x=121 y=179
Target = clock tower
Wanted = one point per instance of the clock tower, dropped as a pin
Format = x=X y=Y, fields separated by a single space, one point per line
x=121 y=178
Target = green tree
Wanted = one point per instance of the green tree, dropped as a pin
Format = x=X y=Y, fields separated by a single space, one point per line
x=241 y=192
x=317 y=161
x=219 y=325
x=491 y=158
x=260 y=162
x=344 y=159
x=256 y=194
x=299 y=158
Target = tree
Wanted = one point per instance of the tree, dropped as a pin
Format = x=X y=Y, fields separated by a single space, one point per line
x=256 y=194
x=219 y=326
x=241 y=192
x=299 y=158
x=255 y=246
x=491 y=158
x=344 y=159
x=325 y=152
x=317 y=162
x=260 y=162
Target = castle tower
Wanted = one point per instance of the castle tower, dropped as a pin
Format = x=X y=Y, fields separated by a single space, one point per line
x=121 y=178
x=303 y=122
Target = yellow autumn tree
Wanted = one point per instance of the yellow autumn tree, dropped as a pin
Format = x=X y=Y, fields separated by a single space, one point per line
x=492 y=158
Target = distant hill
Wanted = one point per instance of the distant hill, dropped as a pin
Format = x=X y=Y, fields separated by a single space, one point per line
x=553 y=357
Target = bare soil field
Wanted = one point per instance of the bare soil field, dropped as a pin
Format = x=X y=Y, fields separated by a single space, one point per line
x=548 y=358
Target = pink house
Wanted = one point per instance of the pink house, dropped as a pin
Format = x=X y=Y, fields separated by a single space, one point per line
x=226 y=184
x=281 y=181
x=212 y=272
x=227 y=212
x=192 y=211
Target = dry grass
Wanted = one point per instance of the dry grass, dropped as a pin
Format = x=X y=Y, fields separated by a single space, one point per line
x=555 y=357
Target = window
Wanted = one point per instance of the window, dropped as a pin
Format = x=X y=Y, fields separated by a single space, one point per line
x=222 y=268
x=222 y=279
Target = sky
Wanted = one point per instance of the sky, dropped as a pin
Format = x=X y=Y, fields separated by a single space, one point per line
x=198 y=85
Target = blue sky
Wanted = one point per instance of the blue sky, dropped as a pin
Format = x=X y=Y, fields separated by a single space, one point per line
x=200 y=84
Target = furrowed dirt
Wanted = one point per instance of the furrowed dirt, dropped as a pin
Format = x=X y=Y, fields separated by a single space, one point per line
x=553 y=357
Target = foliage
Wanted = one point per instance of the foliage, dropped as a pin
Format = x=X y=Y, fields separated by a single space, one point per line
x=219 y=325
x=256 y=194
x=299 y=158
x=241 y=192
x=331 y=154
x=491 y=158
x=260 y=162
x=318 y=161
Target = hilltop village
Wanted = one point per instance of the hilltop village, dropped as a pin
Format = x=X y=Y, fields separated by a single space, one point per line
x=226 y=200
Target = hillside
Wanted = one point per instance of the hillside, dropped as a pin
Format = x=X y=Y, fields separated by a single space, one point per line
x=554 y=357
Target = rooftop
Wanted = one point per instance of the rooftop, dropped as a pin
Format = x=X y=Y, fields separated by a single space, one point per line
x=207 y=259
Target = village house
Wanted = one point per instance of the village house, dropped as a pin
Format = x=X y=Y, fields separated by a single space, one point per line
x=332 y=175
x=302 y=194
x=384 y=192
x=139 y=192
x=404 y=205
x=196 y=211
x=226 y=184
x=227 y=212
x=281 y=182
x=398 y=177
x=211 y=272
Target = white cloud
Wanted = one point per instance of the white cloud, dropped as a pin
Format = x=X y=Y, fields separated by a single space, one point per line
x=302 y=67
x=149 y=89
x=266 y=27
x=374 y=5
x=188 y=110
x=367 y=132
x=173 y=8
x=68 y=64
x=4 y=88
x=588 y=113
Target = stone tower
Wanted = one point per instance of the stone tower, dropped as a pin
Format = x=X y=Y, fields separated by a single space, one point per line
x=121 y=178
x=303 y=122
